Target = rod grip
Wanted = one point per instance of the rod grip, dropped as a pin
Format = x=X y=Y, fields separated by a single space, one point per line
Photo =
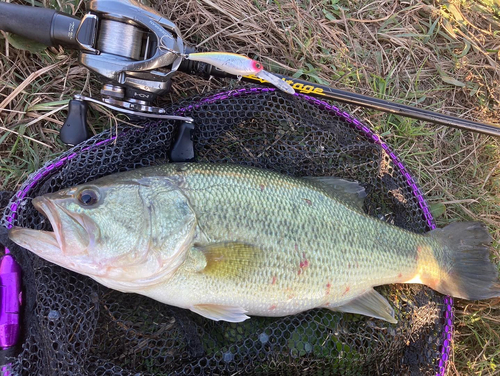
x=42 y=25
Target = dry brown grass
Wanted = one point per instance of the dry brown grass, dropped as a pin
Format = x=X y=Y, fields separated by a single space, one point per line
x=437 y=55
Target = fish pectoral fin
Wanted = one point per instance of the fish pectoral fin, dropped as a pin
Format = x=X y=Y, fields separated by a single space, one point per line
x=372 y=304
x=227 y=258
x=220 y=312
x=349 y=192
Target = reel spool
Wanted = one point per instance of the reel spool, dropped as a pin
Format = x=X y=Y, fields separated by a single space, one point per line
x=123 y=39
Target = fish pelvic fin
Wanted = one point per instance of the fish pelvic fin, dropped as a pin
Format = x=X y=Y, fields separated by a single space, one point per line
x=466 y=269
x=220 y=312
x=371 y=304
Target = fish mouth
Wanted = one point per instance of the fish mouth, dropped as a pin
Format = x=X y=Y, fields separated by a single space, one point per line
x=43 y=243
x=67 y=245
x=42 y=205
x=70 y=229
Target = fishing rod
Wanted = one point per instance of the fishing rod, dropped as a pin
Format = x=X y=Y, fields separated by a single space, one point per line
x=391 y=107
x=326 y=92
x=137 y=52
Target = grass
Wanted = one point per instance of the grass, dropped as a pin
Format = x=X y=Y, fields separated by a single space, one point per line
x=438 y=55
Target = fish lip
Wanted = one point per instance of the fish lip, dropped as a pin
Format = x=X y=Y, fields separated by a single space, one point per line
x=38 y=234
x=48 y=209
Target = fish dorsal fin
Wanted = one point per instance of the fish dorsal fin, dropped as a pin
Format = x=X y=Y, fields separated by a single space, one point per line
x=220 y=312
x=349 y=192
x=225 y=259
x=372 y=304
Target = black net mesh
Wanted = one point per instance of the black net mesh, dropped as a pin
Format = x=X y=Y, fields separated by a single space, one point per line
x=73 y=326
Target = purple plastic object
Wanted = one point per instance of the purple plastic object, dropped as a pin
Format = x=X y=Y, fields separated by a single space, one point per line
x=11 y=300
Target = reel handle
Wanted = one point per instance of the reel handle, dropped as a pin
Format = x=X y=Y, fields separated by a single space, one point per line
x=75 y=128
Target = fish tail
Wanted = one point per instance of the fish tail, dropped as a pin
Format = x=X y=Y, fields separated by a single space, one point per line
x=465 y=268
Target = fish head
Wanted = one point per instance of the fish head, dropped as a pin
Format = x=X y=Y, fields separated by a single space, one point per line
x=126 y=234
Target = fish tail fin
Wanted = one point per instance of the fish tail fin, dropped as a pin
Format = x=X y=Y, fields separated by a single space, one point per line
x=466 y=269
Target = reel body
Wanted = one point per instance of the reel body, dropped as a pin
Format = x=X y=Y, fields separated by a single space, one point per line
x=128 y=45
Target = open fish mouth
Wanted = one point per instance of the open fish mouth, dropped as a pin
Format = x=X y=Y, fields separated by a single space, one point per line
x=45 y=244
x=69 y=235
x=48 y=209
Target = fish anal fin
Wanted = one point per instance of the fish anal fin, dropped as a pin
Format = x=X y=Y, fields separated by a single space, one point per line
x=349 y=192
x=371 y=303
x=220 y=312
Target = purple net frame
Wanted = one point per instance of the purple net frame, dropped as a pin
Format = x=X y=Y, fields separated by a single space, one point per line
x=354 y=123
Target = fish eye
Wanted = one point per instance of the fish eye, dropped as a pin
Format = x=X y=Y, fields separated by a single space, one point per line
x=88 y=196
x=258 y=65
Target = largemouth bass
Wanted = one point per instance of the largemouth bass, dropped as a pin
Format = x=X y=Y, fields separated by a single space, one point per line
x=229 y=241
